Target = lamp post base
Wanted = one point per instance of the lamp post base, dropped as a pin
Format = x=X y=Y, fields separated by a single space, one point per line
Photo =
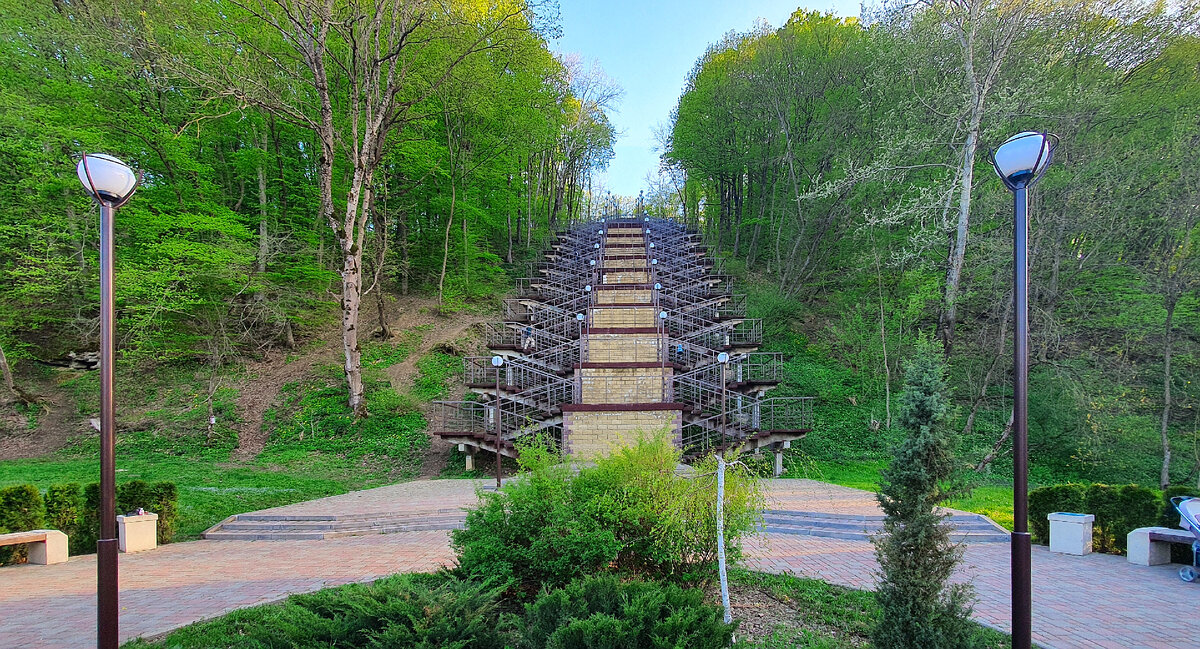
x=107 y=607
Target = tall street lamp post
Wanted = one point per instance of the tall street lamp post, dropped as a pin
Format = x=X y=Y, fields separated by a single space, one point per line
x=1020 y=162
x=110 y=183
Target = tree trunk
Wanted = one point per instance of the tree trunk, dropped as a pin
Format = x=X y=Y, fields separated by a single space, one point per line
x=959 y=250
x=6 y=373
x=446 y=247
x=1164 y=477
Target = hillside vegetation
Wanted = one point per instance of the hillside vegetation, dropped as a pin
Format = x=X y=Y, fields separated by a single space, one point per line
x=841 y=166
x=304 y=197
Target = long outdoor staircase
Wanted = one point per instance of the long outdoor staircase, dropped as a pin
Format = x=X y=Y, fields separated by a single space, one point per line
x=627 y=327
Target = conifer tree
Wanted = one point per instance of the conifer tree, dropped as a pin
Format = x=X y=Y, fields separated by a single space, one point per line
x=915 y=553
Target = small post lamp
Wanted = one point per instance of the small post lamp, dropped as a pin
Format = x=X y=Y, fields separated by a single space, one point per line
x=722 y=358
x=497 y=362
x=111 y=183
x=1020 y=161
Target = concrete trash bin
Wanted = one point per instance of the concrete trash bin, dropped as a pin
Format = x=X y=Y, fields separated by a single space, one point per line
x=1071 y=533
x=137 y=532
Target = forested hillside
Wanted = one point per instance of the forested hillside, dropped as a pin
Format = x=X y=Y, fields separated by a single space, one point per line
x=296 y=165
x=842 y=164
x=308 y=163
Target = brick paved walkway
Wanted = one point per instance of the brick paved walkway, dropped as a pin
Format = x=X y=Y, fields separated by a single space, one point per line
x=1094 y=601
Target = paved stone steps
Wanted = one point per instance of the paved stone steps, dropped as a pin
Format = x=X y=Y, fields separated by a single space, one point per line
x=315 y=527
x=969 y=528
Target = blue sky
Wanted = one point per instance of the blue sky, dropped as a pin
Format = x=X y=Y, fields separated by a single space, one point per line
x=648 y=47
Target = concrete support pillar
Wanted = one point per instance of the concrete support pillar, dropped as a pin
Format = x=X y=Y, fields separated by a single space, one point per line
x=778 y=462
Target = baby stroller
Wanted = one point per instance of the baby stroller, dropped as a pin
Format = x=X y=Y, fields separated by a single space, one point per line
x=1189 y=519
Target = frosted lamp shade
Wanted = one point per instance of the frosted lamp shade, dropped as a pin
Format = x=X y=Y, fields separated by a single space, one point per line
x=579 y=317
x=111 y=179
x=1022 y=157
x=497 y=361
x=722 y=357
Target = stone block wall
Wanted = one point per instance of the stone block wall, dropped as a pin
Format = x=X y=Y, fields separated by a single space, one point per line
x=623 y=348
x=627 y=277
x=627 y=296
x=623 y=317
x=624 y=384
x=587 y=435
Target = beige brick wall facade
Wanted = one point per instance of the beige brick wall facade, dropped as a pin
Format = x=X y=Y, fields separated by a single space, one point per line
x=627 y=277
x=623 y=317
x=587 y=435
x=628 y=296
x=625 y=263
x=623 y=348
x=624 y=384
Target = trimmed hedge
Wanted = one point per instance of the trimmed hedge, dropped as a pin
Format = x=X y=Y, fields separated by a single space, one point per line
x=77 y=514
x=1118 y=509
x=64 y=508
x=21 y=510
x=160 y=498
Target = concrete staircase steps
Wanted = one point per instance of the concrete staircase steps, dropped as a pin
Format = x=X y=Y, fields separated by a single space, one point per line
x=311 y=527
x=968 y=528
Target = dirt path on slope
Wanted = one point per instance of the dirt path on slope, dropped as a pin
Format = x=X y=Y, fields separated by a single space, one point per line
x=259 y=390
x=445 y=330
x=56 y=422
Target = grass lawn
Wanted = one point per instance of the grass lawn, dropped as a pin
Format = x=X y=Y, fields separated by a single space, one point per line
x=993 y=500
x=317 y=447
x=208 y=491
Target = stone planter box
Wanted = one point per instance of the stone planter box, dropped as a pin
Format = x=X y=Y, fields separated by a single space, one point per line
x=1071 y=533
x=137 y=533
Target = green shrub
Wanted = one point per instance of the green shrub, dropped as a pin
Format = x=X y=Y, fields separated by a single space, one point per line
x=21 y=510
x=64 y=505
x=420 y=611
x=1043 y=501
x=161 y=498
x=1136 y=506
x=603 y=612
x=631 y=512
x=918 y=604
x=1118 y=509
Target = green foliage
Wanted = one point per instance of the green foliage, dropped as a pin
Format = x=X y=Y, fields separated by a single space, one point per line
x=313 y=425
x=1069 y=497
x=64 y=511
x=419 y=611
x=603 y=612
x=435 y=372
x=916 y=556
x=208 y=492
x=1119 y=509
x=159 y=498
x=21 y=510
x=631 y=512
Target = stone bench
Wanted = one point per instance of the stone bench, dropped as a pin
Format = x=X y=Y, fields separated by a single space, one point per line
x=1151 y=546
x=45 y=546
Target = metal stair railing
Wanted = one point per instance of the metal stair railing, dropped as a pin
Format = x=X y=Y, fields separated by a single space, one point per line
x=751 y=417
x=688 y=355
x=756 y=367
x=475 y=419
